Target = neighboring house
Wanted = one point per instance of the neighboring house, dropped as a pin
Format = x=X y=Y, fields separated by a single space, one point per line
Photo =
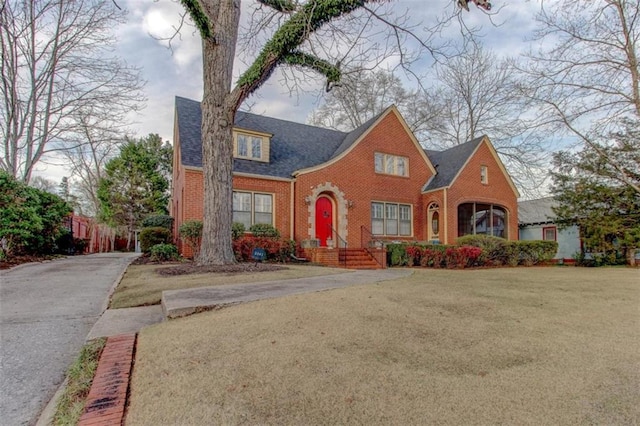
x=327 y=188
x=536 y=222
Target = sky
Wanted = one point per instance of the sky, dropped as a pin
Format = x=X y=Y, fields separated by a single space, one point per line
x=177 y=71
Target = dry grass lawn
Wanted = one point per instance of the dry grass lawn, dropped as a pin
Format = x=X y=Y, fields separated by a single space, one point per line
x=496 y=346
x=142 y=286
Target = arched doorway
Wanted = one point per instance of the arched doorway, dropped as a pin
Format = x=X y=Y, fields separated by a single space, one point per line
x=324 y=219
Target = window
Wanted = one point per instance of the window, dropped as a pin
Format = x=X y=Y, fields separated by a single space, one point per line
x=377 y=218
x=478 y=218
x=433 y=216
x=484 y=175
x=250 y=208
x=391 y=164
x=549 y=234
x=391 y=219
x=250 y=147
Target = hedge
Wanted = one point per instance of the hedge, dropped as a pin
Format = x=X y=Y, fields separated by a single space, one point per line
x=470 y=251
x=277 y=250
x=158 y=220
x=149 y=237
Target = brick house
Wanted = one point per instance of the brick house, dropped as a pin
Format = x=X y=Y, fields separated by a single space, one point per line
x=325 y=188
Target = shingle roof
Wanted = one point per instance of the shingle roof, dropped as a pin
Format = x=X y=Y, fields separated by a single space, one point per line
x=355 y=134
x=294 y=146
x=449 y=162
x=535 y=211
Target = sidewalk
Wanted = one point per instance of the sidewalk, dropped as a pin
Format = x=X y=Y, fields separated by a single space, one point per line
x=179 y=303
x=107 y=400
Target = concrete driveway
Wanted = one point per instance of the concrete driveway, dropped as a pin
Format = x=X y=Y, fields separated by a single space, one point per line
x=46 y=312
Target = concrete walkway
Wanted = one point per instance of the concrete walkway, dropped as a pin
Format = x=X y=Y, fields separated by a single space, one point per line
x=178 y=303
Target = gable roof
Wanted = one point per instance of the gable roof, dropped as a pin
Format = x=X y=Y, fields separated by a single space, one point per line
x=538 y=211
x=293 y=145
x=448 y=163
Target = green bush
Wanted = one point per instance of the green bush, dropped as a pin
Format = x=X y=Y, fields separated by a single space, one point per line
x=164 y=252
x=31 y=220
x=264 y=230
x=237 y=230
x=494 y=249
x=149 y=237
x=397 y=254
x=191 y=233
x=535 y=252
x=158 y=220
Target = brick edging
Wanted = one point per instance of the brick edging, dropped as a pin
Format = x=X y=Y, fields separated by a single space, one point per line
x=108 y=395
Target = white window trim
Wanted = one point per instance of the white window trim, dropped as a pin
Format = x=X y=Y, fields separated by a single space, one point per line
x=264 y=146
x=384 y=219
x=394 y=162
x=484 y=175
x=253 y=205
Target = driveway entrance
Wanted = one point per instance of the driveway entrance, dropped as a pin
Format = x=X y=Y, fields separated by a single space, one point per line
x=46 y=311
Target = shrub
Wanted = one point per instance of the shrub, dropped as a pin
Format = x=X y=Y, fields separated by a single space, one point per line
x=535 y=252
x=149 y=237
x=471 y=255
x=158 y=220
x=414 y=254
x=277 y=250
x=397 y=254
x=433 y=256
x=237 y=230
x=494 y=249
x=31 y=220
x=264 y=230
x=164 y=252
x=191 y=233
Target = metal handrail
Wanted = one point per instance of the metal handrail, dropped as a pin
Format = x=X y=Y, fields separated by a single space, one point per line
x=368 y=236
x=341 y=245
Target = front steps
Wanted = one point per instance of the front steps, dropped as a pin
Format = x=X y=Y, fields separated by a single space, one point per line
x=350 y=258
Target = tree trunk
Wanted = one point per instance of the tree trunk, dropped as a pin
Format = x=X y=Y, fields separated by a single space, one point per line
x=218 y=112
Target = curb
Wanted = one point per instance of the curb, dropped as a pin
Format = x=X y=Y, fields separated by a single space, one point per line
x=107 y=398
x=46 y=415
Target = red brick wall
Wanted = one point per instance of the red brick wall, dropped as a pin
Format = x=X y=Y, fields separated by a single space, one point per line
x=354 y=176
x=189 y=193
x=468 y=188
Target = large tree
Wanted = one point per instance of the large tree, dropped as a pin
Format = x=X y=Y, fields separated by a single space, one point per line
x=289 y=43
x=364 y=94
x=57 y=66
x=477 y=94
x=135 y=183
x=474 y=93
x=594 y=188
x=585 y=76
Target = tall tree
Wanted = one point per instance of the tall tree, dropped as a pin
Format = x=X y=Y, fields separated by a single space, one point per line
x=57 y=64
x=290 y=43
x=364 y=94
x=595 y=190
x=588 y=78
x=477 y=94
x=135 y=183
x=99 y=139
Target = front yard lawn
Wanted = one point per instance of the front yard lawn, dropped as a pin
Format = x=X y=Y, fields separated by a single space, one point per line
x=495 y=346
x=141 y=285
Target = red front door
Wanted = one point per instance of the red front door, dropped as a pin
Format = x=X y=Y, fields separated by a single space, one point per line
x=324 y=220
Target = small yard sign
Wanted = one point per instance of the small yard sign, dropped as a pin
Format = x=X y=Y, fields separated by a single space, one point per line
x=259 y=254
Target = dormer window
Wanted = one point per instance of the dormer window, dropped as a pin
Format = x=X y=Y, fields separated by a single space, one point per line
x=251 y=146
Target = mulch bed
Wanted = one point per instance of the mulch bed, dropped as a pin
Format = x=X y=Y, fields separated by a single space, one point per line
x=19 y=260
x=186 y=268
